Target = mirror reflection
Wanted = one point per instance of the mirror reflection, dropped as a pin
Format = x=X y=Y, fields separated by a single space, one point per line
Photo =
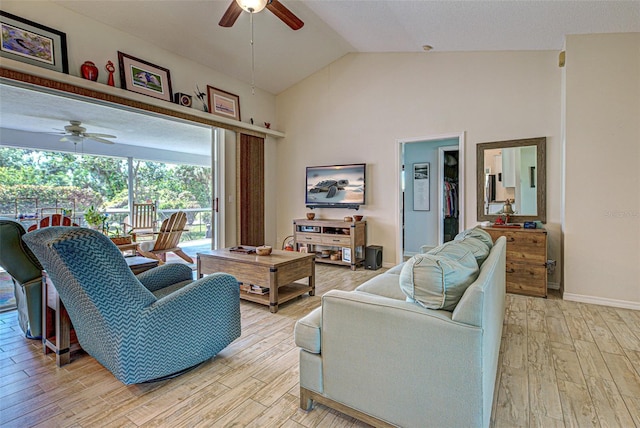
x=512 y=174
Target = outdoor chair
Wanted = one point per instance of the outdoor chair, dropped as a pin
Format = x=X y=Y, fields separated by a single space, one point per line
x=167 y=239
x=26 y=272
x=143 y=221
x=150 y=327
x=52 y=220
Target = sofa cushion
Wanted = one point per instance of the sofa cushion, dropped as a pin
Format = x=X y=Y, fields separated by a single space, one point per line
x=307 y=331
x=386 y=285
x=396 y=269
x=437 y=281
x=477 y=233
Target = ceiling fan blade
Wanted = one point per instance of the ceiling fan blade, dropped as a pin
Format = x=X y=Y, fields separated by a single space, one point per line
x=285 y=15
x=230 y=15
x=98 y=139
x=92 y=135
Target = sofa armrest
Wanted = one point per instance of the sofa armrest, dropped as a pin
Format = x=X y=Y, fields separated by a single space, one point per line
x=374 y=348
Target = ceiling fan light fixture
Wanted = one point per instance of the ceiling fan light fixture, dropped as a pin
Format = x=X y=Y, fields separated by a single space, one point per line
x=75 y=139
x=252 y=6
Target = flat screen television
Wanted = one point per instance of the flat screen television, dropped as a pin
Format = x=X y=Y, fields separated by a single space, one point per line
x=335 y=186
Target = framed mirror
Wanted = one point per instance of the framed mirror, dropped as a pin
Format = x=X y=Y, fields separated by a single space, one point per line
x=513 y=170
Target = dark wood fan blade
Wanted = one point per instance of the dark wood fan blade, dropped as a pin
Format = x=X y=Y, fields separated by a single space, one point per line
x=230 y=15
x=279 y=10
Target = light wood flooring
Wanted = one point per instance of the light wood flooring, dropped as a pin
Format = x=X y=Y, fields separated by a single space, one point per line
x=561 y=364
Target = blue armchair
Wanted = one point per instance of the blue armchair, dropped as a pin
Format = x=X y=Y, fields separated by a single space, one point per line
x=140 y=328
x=26 y=272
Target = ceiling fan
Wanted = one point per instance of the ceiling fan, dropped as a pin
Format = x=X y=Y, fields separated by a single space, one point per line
x=77 y=133
x=254 y=6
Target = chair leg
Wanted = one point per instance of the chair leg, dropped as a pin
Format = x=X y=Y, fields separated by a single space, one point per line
x=150 y=255
x=184 y=256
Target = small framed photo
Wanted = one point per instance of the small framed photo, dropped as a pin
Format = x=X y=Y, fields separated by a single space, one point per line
x=32 y=43
x=421 y=186
x=223 y=103
x=303 y=248
x=346 y=254
x=144 y=77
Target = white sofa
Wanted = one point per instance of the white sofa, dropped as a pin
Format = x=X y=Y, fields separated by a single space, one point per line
x=376 y=356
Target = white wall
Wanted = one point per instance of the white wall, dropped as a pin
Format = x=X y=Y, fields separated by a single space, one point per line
x=357 y=108
x=602 y=169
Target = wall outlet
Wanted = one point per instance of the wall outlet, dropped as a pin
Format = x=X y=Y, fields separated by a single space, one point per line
x=551 y=266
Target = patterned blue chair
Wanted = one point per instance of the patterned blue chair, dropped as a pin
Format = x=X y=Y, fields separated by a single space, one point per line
x=142 y=328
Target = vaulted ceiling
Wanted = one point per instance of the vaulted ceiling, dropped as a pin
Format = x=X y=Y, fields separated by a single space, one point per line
x=333 y=28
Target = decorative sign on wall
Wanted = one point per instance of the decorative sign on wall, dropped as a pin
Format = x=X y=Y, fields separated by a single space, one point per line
x=421 y=174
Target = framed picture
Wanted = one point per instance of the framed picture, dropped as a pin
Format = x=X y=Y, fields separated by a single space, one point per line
x=421 y=182
x=35 y=44
x=144 y=78
x=223 y=103
x=346 y=254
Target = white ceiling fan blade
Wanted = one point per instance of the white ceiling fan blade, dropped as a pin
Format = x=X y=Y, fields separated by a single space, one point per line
x=92 y=135
x=98 y=139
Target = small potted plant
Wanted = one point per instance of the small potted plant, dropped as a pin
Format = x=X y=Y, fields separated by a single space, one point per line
x=94 y=218
x=118 y=238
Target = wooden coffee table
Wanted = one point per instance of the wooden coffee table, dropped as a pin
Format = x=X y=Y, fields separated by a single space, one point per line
x=277 y=272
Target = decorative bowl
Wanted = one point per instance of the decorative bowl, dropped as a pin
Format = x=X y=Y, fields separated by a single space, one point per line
x=326 y=252
x=358 y=217
x=263 y=250
x=348 y=219
x=311 y=216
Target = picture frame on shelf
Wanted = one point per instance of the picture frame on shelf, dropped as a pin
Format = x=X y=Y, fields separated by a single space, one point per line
x=346 y=254
x=223 y=103
x=143 y=77
x=32 y=43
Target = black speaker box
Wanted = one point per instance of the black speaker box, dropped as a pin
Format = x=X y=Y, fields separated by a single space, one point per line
x=373 y=257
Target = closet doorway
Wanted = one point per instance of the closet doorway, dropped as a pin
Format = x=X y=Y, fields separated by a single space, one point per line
x=431 y=191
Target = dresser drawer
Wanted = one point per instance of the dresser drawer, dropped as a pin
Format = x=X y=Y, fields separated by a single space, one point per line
x=338 y=240
x=529 y=279
x=308 y=238
x=526 y=247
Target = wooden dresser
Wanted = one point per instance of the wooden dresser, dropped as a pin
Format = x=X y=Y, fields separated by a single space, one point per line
x=526 y=260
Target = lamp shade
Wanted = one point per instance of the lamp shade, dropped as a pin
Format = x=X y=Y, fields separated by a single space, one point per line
x=252 y=6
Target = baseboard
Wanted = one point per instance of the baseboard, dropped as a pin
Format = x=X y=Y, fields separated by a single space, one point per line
x=553 y=285
x=624 y=304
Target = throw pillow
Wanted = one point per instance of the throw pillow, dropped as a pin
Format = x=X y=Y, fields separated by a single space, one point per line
x=477 y=247
x=454 y=250
x=438 y=282
x=477 y=233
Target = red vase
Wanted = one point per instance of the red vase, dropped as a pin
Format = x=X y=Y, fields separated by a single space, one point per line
x=89 y=71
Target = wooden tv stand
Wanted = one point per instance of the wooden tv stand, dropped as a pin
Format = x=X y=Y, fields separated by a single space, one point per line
x=345 y=238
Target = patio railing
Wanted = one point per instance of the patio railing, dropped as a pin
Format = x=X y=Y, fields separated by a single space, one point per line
x=198 y=221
